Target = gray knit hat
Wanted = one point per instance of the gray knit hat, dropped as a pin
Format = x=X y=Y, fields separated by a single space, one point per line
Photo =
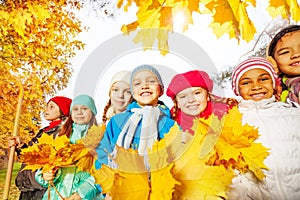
x=149 y=68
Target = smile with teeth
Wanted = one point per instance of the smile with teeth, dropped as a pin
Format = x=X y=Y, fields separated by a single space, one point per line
x=145 y=94
x=296 y=63
x=258 y=95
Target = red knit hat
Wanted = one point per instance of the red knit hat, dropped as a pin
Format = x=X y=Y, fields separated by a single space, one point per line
x=252 y=63
x=189 y=79
x=63 y=103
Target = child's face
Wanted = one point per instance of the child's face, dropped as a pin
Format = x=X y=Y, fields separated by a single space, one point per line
x=52 y=111
x=192 y=101
x=256 y=85
x=120 y=96
x=146 y=89
x=287 y=53
x=81 y=114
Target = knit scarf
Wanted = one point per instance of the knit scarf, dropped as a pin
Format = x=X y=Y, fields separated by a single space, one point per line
x=149 y=116
x=293 y=84
x=53 y=124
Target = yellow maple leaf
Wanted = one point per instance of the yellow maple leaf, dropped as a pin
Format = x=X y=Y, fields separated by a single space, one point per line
x=104 y=177
x=197 y=179
x=236 y=146
x=92 y=138
x=278 y=7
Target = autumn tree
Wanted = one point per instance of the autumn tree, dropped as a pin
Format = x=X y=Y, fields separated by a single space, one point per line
x=37 y=41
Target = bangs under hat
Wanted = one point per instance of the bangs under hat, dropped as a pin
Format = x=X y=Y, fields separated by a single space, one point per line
x=252 y=63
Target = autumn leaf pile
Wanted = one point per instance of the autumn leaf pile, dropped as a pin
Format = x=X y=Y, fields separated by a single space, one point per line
x=50 y=153
x=155 y=18
x=201 y=168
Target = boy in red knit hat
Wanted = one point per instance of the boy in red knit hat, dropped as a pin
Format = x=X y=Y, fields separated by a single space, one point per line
x=192 y=98
x=57 y=111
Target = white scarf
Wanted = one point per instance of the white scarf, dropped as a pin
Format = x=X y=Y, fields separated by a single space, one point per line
x=149 y=134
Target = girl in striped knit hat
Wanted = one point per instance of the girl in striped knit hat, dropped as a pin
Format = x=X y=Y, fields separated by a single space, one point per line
x=278 y=124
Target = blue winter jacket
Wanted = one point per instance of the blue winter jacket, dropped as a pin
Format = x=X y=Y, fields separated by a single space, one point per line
x=116 y=124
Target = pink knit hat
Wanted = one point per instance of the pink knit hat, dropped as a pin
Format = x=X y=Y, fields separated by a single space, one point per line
x=189 y=79
x=252 y=63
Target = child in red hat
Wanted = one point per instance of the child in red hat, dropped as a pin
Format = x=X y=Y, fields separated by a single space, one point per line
x=57 y=111
x=191 y=94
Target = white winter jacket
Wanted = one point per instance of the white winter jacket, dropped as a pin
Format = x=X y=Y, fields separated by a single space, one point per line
x=279 y=128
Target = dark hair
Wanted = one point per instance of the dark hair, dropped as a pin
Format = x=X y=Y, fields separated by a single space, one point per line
x=279 y=35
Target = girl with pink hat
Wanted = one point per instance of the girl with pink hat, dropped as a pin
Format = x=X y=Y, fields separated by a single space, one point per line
x=192 y=98
x=278 y=124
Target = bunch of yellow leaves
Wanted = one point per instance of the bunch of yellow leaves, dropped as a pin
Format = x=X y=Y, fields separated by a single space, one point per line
x=50 y=153
x=233 y=143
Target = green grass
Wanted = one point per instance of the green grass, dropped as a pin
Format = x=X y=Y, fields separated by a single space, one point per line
x=13 y=192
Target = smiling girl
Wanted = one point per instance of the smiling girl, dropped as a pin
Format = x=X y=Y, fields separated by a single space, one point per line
x=119 y=95
x=71 y=183
x=284 y=49
x=278 y=124
x=192 y=98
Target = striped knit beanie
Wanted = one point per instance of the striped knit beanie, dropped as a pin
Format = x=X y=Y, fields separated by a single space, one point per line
x=252 y=63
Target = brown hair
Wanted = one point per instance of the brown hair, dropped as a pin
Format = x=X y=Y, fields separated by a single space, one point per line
x=66 y=128
x=104 y=117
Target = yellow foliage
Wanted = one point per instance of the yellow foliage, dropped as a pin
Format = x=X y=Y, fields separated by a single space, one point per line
x=236 y=147
x=228 y=17
x=37 y=39
x=200 y=168
x=133 y=185
x=50 y=153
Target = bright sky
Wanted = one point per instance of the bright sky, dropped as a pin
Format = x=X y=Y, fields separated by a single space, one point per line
x=104 y=54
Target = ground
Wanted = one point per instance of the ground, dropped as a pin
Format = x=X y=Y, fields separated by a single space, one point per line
x=14 y=192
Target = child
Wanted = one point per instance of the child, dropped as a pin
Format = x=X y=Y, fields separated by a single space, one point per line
x=284 y=50
x=69 y=182
x=56 y=112
x=278 y=124
x=119 y=95
x=145 y=120
x=191 y=94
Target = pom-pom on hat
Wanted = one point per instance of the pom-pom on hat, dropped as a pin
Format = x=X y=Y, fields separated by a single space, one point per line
x=120 y=76
x=252 y=63
x=63 y=103
x=86 y=101
x=143 y=68
x=189 y=79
